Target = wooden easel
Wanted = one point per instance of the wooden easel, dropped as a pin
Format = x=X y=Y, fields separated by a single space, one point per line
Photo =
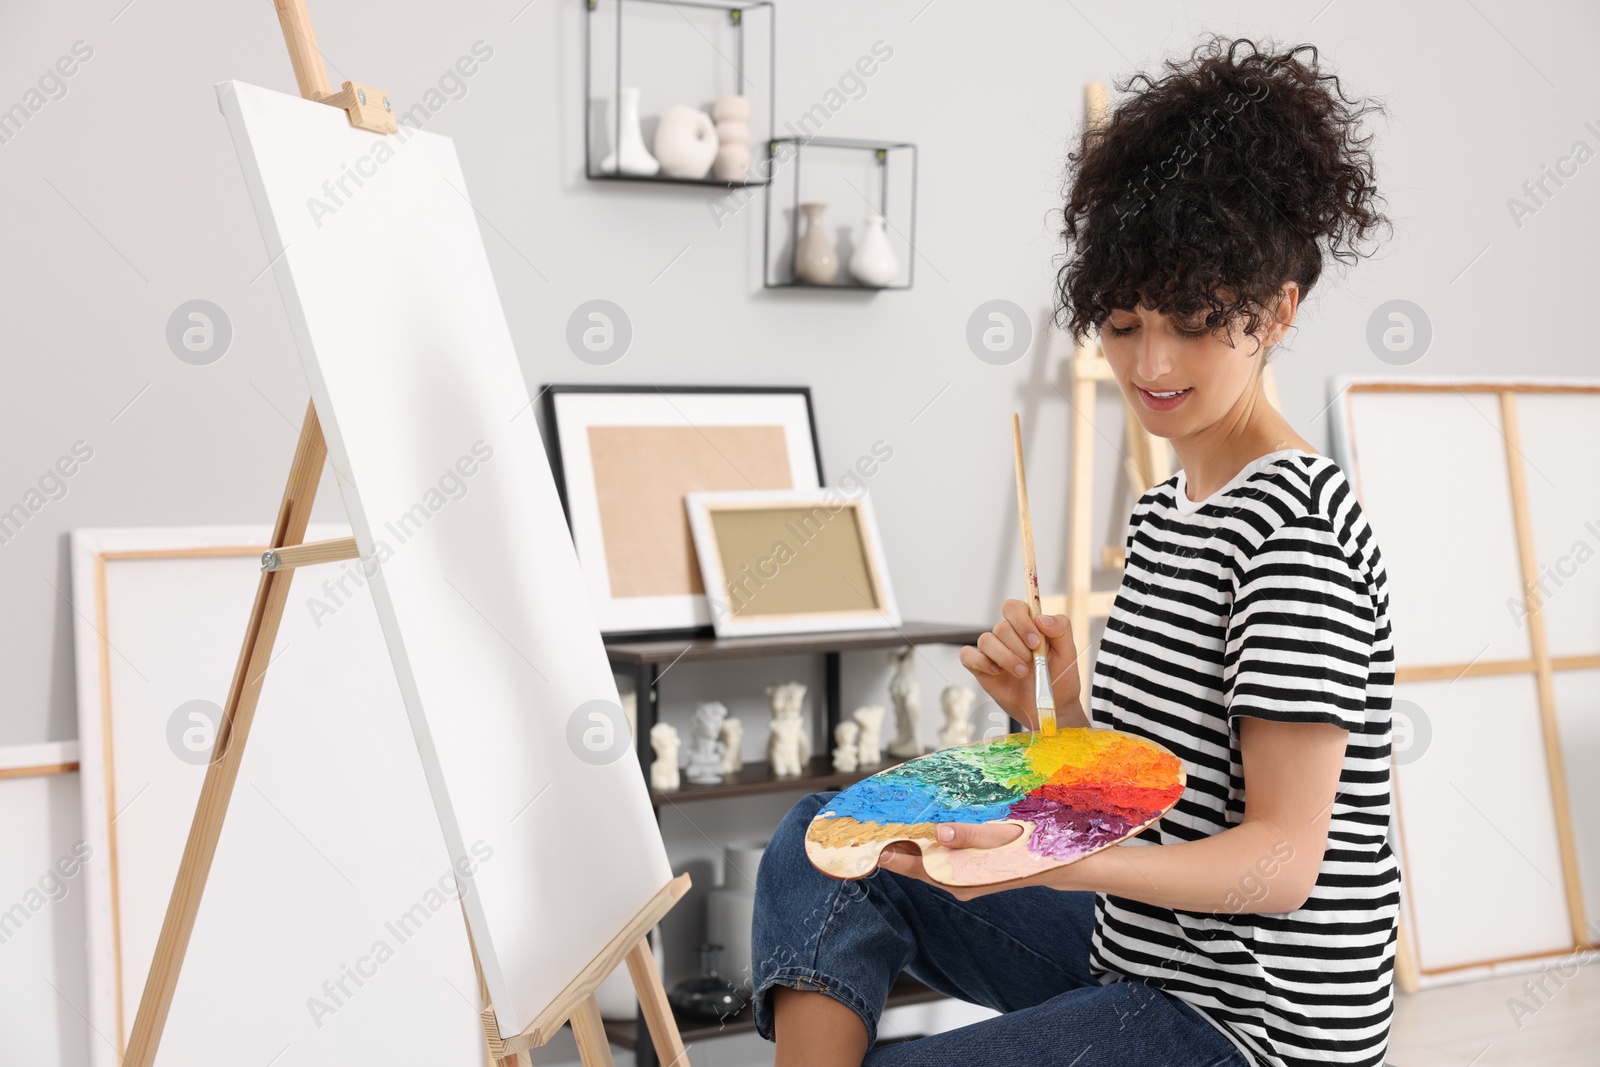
x=1147 y=462
x=369 y=109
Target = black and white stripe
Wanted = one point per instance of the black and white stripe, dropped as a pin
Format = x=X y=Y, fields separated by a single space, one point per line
x=1267 y=599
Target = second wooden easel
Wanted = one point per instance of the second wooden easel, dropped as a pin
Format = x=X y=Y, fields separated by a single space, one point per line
x=368 y=109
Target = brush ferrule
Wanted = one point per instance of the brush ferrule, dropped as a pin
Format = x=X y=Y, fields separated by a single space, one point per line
x=1044 y=699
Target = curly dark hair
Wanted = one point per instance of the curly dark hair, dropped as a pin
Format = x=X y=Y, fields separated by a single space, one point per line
x=1209 y=187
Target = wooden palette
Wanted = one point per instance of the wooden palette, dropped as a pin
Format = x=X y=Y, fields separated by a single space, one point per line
x=1074 y=793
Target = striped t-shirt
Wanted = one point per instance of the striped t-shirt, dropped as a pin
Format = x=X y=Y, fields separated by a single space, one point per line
x=1266 y=599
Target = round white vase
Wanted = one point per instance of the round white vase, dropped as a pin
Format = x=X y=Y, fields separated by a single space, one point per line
x=686 y=142
x=636 y=158
x=731 y=910
x=873 y=262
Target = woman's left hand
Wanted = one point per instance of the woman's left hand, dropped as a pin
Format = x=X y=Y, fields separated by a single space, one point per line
x=903 y=857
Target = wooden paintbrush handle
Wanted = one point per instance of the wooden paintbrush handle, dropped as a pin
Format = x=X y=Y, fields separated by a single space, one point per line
x=1024 y=520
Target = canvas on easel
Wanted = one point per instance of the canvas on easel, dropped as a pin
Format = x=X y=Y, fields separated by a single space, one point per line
x=419 y=406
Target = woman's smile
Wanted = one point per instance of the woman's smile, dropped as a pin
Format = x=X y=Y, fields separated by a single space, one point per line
x=1163 y=400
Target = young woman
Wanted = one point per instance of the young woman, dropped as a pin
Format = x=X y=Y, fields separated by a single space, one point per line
x=1255 y=924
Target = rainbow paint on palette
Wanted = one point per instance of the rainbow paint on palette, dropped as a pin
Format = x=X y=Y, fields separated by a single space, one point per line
x=1074 y=793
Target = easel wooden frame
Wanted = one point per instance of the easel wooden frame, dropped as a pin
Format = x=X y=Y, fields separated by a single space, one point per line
x=368 y=109
x=1541 y=664
x=1147 y=462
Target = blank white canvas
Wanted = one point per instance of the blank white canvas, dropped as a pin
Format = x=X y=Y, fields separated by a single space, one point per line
x=1483 y=867
x=41 y=914
x=330 y=836
x=405 y=346
x=1430 y=470
x=1484 y=877
x=1578 y=712
x=1560 y=435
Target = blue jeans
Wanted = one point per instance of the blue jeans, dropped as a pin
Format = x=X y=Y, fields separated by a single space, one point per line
x=1023 y=952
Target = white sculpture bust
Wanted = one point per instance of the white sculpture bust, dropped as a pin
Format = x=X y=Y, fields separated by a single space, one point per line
x=869 y=746
x=844 y=752
x=787 y=699
x=783 y=750
x=664 y=771
x=956 y=702
x=705 y=749
x=732 y=737
x=905 y=692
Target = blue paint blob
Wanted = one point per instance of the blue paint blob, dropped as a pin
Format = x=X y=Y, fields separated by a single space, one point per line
x=885 y=799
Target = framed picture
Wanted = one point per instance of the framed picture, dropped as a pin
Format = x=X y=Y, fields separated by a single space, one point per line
x=791 y=561
x=626 y=456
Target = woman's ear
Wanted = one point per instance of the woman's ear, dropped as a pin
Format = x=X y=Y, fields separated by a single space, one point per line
x=1283 y=314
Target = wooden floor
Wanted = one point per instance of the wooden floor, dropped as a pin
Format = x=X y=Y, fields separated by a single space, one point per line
x=1468 y=1025
x=1500 y=1023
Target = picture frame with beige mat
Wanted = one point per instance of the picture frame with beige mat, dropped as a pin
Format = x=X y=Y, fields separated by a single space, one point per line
x=1483 y=497
x=624 y=457
x=791 y=561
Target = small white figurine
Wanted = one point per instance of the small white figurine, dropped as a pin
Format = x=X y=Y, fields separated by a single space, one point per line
x=907 y=704
x=705 y=750
x=783 y=750
x=869 y=747
x=956 y=700
x=844 y=752
x=786 y=699
x=732 y=737
x=664 y=771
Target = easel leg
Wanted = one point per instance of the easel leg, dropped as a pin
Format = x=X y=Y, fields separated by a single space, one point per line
x=593 y=1048
x=653 y=1003
x=228 y=752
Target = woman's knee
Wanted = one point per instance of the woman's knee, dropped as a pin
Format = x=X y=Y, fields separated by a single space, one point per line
x=787 y=885
x=787 y=845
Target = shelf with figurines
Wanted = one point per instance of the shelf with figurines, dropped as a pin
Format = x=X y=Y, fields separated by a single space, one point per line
x=707 y=765
x=684 y=50
x=810 y=178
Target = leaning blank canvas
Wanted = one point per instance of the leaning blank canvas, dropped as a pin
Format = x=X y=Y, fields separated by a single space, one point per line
x=329 y=909
x=430 y=431
x=1477 y=825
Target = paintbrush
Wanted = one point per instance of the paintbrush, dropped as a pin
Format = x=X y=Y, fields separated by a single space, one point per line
x=1044 y=700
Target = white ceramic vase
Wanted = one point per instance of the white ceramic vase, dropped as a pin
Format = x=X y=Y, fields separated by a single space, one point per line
x=815 y=261
x=731 y=909
x=873 y=263
x=636 y=158
x=686 y=142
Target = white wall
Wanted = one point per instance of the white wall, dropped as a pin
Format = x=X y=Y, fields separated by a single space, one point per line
x=123 y=199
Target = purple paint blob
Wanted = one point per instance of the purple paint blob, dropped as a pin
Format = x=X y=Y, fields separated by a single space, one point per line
x=1062 y=833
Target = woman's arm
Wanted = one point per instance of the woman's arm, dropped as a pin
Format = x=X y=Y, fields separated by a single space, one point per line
x=1267 y=864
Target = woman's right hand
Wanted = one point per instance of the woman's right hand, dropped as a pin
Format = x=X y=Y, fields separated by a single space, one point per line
x=1006 y=650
